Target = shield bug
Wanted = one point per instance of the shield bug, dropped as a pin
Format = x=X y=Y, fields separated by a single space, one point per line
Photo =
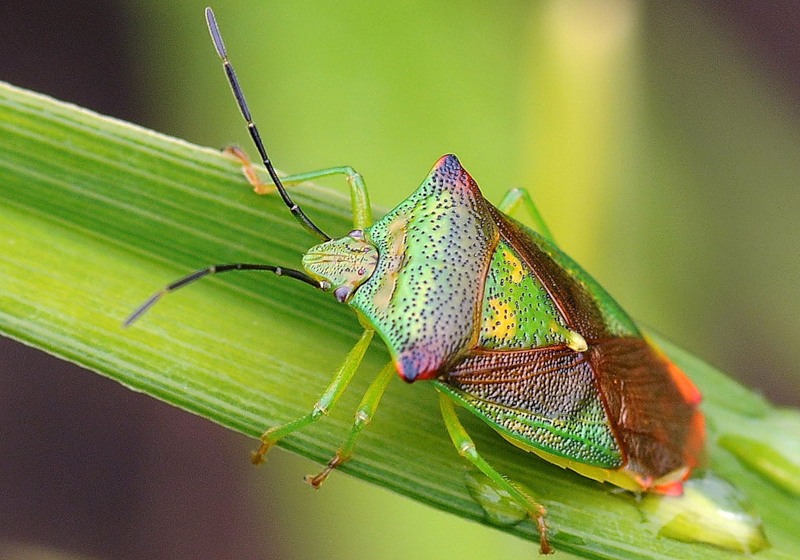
x=499 y=320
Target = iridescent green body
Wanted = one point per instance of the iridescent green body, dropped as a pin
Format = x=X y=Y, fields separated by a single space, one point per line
x=514 y=330
x=502 y=323
x=498 y=318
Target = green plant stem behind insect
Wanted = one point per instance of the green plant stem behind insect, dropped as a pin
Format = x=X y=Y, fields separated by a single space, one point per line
x=95 y=212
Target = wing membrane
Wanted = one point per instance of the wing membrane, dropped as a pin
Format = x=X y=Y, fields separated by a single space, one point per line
x=542 y=398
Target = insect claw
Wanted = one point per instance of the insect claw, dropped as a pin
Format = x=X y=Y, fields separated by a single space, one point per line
x=544 y=542
x=257 y=457
x=316 y=481
x=249 y=172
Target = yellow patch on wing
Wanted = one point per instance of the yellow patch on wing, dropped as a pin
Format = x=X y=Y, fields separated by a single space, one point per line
x=517 y=272
x=502 y=321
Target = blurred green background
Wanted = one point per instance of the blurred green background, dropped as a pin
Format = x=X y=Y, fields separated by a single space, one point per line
x=660 y=141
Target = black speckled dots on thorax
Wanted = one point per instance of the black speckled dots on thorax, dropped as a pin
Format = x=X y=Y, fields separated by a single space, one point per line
x=424 y=297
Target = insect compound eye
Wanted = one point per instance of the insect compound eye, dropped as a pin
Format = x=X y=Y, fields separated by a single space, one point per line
x=356 y=234
x=341 y=293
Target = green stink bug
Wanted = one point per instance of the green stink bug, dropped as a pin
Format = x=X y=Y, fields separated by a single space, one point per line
x=499 y=320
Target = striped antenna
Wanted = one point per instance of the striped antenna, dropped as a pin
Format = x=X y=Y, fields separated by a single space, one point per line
x=217 y=269
x=296 y=211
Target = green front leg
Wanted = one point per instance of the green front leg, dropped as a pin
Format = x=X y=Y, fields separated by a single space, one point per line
x=466 y=448
x=359 y=198
x=363 y=416
x=328 y=399
x=511 y=202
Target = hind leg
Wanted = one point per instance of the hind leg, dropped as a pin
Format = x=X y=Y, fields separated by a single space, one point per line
x=511 y=202
x=466 y=448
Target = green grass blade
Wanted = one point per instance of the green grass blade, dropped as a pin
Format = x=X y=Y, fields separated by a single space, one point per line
x=95 y=214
